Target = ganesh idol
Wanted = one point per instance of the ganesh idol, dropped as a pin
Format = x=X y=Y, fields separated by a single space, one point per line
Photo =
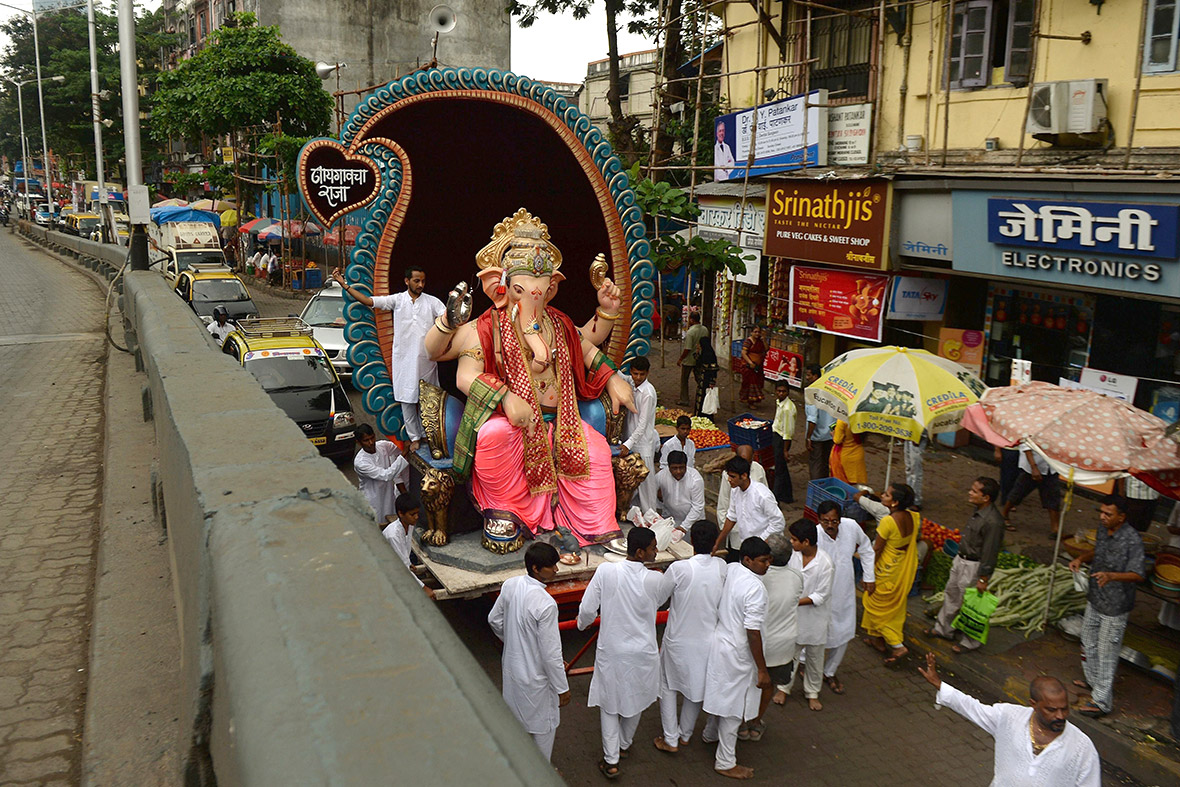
x=524 y=366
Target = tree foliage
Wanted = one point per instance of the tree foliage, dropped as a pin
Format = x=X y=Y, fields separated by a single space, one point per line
x=65 y=51
x=663 y=204
x=245 y=76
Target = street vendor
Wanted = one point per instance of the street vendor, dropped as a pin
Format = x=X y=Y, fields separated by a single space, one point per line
x=1116 y=567
x=524 y=366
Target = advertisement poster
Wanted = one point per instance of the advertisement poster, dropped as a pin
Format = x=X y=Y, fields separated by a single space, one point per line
x=779 y=141
x=848 y=135
x=914 y=298
x=963 y=347
x=846 y=303
x=783 y=365
x=840 y=223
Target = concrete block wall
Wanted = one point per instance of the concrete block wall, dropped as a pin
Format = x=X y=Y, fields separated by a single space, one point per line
x=308 y=653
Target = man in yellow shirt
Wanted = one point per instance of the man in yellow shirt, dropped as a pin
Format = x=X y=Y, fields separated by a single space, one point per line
x=782 y=431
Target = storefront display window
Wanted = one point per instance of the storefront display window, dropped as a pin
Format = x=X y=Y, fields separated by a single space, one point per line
x=1051 y=329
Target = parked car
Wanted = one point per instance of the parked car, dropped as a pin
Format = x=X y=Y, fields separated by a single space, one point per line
x=293 y=368
x=81 y=224
x=43 y=215
x=325 y=314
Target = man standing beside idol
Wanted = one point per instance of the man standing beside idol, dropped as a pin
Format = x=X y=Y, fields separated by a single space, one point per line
x=414 y=312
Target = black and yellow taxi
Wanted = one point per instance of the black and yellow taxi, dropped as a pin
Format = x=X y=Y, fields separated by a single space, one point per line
x=204 y=287
x=294 y=369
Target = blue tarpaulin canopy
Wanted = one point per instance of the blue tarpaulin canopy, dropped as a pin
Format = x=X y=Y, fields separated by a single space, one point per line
x=168 y=213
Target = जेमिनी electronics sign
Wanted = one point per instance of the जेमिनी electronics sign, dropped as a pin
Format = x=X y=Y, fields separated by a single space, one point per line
x=836 y=222
x=1051 y=238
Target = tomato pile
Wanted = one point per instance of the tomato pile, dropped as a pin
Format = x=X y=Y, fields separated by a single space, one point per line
x=938 y=535
x=708 y=438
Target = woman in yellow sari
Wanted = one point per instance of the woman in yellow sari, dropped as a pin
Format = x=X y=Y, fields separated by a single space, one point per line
x=896 y=564
x=847 y=460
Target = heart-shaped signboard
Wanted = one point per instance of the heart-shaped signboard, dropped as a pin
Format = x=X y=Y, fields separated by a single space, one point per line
x=333 y=182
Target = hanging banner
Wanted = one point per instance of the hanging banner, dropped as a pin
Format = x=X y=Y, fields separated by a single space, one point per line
x=964 y=347
x=779 y=141
x=914 y=298
x=840 y=223
x=846 y=303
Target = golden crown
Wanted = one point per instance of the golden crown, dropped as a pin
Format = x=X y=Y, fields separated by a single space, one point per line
x=520 y=244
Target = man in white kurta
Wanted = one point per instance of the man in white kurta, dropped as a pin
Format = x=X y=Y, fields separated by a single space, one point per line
x=380 y=469
x=736 y=670
x=525 y=618
x=642 y=437
x=842 y=539
x=753 y=511
x=681 y=491
x=695 y=586
x=680 y=442
x=627 y=660
x=414 y=312
x=757 y=476
x=784 y=588
x=814 y=606
x=1035 y=746
x=398 y=531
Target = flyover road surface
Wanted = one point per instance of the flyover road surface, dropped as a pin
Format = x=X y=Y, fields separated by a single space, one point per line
x=52 y=361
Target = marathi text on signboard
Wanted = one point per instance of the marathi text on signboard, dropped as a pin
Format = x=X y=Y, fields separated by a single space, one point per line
x=842 y=223
x=847 y=303
x=848 y=134
x=788 y=133
x=1129 y=247
x=332 y=182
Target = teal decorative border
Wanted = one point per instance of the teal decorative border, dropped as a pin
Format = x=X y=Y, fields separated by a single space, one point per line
x=364 y=353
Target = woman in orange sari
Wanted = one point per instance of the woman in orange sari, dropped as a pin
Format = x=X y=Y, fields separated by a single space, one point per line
x=847 y=460
x=896 y=564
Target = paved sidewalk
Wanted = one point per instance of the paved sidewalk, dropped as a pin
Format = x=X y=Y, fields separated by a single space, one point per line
x=52 y=351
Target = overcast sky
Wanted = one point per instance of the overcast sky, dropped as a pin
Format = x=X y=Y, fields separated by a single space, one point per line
x=557 y=48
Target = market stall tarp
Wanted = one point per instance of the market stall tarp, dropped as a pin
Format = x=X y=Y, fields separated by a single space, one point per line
x=169 y=213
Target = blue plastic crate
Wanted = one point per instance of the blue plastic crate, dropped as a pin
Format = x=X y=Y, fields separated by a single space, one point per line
x=840 y=493
x=755 y=438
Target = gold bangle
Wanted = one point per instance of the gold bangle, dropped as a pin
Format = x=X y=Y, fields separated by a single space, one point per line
x=606 y=316
x=441 y=328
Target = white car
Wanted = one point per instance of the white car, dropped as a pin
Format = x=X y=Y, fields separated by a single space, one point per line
x=325 y=314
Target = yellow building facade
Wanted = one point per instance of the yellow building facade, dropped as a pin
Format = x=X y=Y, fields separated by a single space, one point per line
x=1028 y=152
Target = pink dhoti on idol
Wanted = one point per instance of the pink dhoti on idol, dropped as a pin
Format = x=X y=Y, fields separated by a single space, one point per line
x=584 y=506
x=558 y=471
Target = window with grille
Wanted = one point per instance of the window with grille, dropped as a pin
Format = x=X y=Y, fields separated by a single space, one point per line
x=842 y=46
x=1159 y=46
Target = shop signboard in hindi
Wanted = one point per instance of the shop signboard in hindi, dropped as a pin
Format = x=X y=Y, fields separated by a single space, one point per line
x=334 y=183
x=789 y=132
x=964 y=347
x=741 y=224
x=915 y=298
x=835 y=222
x=846 y=303
x=924 y=225
x=848 y=134
x=1054 y=238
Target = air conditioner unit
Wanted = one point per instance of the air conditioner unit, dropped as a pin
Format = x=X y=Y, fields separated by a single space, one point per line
x=1075 y=106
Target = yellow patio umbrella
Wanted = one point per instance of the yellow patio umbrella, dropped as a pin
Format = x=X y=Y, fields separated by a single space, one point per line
x=229 y=218
x=895 y=391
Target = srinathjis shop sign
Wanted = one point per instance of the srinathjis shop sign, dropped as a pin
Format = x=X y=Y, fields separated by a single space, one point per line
x=836 y=222
x=1122 y=246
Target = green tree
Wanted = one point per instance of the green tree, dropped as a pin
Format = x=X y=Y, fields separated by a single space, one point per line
x=245 y=76
x=65 y=51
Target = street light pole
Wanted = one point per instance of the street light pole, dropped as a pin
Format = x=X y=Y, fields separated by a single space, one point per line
x=41 y=104
x=24 y=148
x=137 y=200
x=96 y=115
